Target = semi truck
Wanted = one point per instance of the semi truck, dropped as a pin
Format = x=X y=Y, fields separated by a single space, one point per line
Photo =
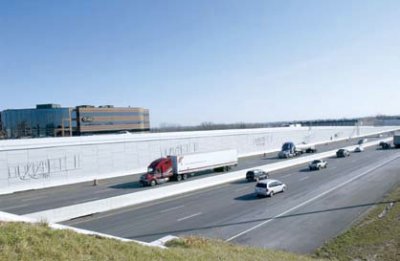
x=396 y=140
x=180 y=167
x=289 y=149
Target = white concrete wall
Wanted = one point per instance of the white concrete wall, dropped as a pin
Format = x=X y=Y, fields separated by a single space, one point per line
x=39 y=163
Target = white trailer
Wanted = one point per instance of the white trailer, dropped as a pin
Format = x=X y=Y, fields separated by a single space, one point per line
x=190 y=163
x=178 y=167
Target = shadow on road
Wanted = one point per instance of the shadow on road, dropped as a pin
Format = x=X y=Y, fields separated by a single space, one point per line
x=238 y=182
x=127 y=185
x=247 y=197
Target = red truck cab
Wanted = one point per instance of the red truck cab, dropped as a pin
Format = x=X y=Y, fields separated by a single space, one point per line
x=159 y=171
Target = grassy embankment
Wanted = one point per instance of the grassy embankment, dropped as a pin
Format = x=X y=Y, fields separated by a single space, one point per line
x=20 y=241
x=374 y=237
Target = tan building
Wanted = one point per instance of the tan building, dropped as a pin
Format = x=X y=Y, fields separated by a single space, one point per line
x=110 y=119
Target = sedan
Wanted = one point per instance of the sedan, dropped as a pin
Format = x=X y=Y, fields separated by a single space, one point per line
x=384 y=145
x=318 y=164
x=269 y=187
x=256 y=175
x=342 y=153
x=359 y=149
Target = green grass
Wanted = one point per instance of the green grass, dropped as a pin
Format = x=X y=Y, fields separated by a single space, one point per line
x=372 y=238
x=19 y=241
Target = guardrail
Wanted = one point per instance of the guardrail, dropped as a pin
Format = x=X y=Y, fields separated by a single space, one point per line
x=102 y=205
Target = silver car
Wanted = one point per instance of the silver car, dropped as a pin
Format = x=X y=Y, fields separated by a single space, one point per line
x=269 y=187
x=359 y=149
x=318 y=164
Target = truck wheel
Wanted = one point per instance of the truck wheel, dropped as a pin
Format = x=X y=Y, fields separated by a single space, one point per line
x=153 y=183
x=184 y=176
x=178 y=177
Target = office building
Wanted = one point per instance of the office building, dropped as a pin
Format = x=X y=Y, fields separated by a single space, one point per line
x=108 y=119
x=52 y=120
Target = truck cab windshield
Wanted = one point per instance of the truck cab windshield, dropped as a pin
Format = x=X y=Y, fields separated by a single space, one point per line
x=286 y=146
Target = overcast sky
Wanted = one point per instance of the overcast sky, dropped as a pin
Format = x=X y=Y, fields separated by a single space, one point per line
x=192 y=61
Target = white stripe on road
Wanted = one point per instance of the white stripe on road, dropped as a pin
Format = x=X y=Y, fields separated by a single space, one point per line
x=85 y=200
x=241 y=189
x=194 y=215
x=103 y=191
x=288 y=175
x=33 y=198
x=306 y=177
x=15 y=207
x=173 y=208
x=311 y=199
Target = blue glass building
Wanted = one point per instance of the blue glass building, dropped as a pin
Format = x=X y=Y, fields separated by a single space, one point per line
x=45 y=121
x=51 y=120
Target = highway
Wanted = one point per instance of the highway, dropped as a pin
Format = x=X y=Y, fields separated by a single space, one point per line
x=37 y=200
x=317 y=206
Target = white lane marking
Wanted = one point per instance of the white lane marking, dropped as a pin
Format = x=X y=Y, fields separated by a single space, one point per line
x=173 y=208
x=103 y=190
x=33 y=198
x=288 y=175
x=310 y=200
x=184 y=218
x=241 y=189
x=307 y=177
x=85 y=200
x=15 y=207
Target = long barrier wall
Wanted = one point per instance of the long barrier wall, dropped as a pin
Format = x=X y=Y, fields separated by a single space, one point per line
x=39 y=163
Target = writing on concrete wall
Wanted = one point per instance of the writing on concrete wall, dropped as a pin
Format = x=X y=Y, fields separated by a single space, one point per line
x=43 y=169
x=263 y=141
x=180 y=149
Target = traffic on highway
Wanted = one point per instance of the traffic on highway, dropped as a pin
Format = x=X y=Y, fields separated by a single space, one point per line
x=37 y=200
x=314 y=207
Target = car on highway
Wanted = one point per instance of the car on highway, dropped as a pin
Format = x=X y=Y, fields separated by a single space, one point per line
x=341 y=153
x=362 y=141
x=269 y=187
x=318 y=164
x=384 y=145
x=359 y=149
x=256 y=175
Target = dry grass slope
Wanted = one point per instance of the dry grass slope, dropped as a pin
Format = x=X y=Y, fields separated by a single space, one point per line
x=20 y=241
x=376 y=237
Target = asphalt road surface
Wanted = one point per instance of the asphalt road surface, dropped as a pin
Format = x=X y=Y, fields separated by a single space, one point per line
x=37 y=200
x=317 y=206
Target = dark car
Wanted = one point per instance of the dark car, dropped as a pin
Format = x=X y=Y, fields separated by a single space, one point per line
x=384 y=145
x=342 y=153
x=256 y=174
